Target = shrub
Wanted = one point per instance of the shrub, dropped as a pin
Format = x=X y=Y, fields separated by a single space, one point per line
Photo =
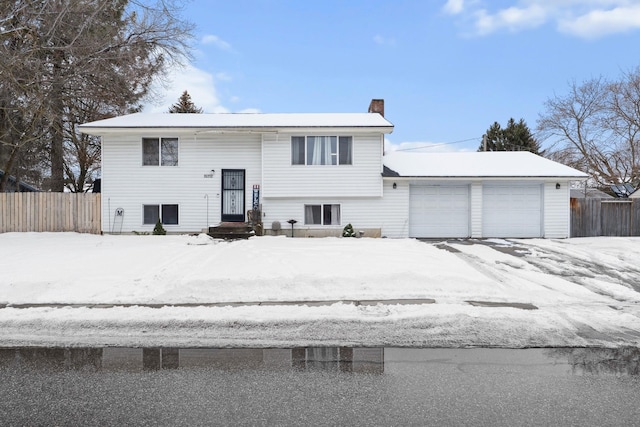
x=347 y=231
x=159 y=230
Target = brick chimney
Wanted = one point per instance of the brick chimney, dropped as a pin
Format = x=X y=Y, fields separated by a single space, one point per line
x=377 y=106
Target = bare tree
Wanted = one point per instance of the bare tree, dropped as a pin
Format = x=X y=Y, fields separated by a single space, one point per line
x=85 y=60
x=22 y=124
x=575 y=123
x=623 y=119
x=20 y=132
x=81 y=151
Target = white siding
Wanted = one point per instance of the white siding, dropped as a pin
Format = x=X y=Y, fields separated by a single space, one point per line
x=388 y=216
x=557 y=212
x=352 y=211
x=361 y=179
x=476 y=209
x=393 y=211
x=129 y=185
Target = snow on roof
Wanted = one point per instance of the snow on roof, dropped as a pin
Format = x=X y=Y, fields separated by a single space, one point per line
x=477 y=164
x=240 y=121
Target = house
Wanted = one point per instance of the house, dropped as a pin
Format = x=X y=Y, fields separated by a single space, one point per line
x=622 y=190
x=13 y=185
x=481 y=194
x=635 y=194
x=589 y=193
x=323 y=171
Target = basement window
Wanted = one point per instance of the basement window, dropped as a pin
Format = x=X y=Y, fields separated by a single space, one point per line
x=168 y=214
x=322 y=214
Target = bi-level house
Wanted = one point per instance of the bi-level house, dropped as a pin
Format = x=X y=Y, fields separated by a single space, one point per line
x=323 y=171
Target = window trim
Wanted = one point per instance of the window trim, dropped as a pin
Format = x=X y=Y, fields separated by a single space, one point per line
x=323 y=206
x=160 y=207
x=299 y=157
x=159 y=144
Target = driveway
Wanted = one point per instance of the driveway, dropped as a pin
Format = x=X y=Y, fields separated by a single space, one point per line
x=600 y=272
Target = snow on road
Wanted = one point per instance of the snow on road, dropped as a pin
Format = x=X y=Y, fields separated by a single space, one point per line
x=585 y=291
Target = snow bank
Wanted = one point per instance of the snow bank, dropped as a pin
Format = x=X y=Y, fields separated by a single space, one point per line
x=583 y=288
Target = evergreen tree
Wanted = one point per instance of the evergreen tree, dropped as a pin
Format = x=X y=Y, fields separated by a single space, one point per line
x=515 y=137
x=185 y=105
x=494 y=138
x=159 y=230
x=348 y=231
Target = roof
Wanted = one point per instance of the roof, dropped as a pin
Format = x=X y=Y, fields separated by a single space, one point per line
x=489 y=164
x=23 y=186
x=588 y=193
x=240 y=121
x=635 y=194
x=623 y=190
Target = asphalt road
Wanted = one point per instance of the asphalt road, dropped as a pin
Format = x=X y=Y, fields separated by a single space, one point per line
x=282 y=387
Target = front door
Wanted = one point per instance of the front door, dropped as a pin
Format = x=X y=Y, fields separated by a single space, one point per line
x=233 y=195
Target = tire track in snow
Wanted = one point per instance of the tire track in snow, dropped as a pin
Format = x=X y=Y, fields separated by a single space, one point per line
x=491 y=269
x=575 y=269
x=475 y=262
x=556 y=263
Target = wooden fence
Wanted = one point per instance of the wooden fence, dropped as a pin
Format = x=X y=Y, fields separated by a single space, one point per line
x=22 y=212
x=605 y=217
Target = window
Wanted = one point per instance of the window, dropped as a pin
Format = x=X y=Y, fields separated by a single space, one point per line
x=322 y=214
x=160 y=151
x=297 y=150
x=321 y=150
x=168 y=214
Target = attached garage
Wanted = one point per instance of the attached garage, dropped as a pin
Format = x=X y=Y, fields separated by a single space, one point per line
x=438 y=210
x=480 y=194
x=512 y=209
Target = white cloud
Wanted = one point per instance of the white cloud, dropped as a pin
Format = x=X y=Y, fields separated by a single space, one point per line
x=598 y=23
x=200 y=85
x=216 y=41
x=512 y=18
x=453 y=7
x=581 y=18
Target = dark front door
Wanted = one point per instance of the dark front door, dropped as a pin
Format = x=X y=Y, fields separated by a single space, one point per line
x=233 y=195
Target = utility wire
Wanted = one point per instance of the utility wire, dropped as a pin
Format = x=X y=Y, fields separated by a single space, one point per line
x=438 y=145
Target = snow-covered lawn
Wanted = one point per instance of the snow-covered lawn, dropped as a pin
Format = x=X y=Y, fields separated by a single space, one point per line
x=586 y=291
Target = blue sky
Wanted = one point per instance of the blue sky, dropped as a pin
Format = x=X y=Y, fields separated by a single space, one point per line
x=447 y=69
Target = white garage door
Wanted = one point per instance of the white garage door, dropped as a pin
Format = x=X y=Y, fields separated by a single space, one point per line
x=439 y=211
x=512 y=210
